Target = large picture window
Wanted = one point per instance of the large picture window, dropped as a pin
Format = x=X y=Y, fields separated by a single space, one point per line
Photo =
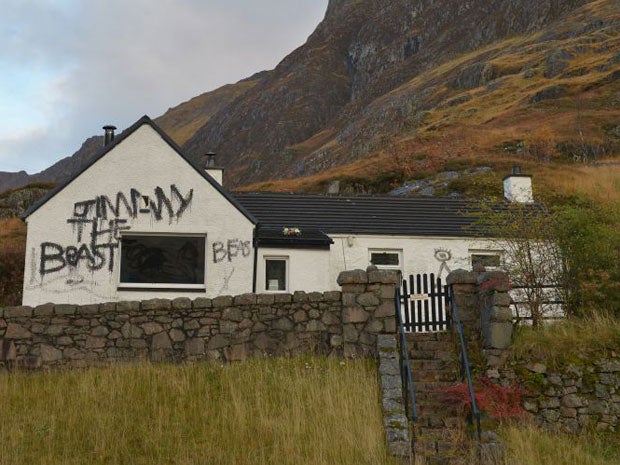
x=174 y=261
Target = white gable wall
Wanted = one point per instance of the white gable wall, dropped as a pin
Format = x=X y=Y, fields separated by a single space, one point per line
x=146 y=163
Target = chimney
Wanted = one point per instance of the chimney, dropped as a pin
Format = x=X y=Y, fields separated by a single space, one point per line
x=109 y=133
x=215 y=172
x=518 y=187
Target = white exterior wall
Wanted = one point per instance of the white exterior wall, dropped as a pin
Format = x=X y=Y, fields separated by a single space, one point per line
x=438 y=255
x=143 y=161
x=307 y=269
x=318 y=270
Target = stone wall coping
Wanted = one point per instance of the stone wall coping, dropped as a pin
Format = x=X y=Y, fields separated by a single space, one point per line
x=461 y=276
x=180 y=303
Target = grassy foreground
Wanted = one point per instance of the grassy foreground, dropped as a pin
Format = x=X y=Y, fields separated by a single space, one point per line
x=282 y=411
x=528 y=445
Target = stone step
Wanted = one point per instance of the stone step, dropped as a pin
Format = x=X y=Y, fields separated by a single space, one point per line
x=440 y=367
x=434 y=421
x=430 y=346
x=433 y=364
x=436 y=410
x=433 y=386
x=434 y=336
x=447 y=354
x=425 y=377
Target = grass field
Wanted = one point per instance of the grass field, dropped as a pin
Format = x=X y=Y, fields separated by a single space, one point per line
x=528 y=445
x=277 y=411
x=282 y=411
x=567 y=341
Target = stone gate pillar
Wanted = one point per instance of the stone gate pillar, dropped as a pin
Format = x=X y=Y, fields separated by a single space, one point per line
x=367 y=308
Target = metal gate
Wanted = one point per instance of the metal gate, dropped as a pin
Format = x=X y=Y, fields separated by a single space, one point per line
x=424 y=304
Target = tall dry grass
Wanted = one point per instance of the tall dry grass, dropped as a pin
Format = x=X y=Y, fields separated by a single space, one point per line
x=595 y=335
x=282 y=411
x=599 y=182
x=528 y=445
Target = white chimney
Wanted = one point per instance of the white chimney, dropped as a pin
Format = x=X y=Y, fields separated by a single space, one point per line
x=518 y=187
x=215 y=172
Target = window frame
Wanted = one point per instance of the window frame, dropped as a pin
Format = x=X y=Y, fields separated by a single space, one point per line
x=487 y=253
x=398 y=252
x=155 y=286
x=286 y=260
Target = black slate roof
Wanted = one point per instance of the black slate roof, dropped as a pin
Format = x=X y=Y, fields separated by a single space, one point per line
x=415 y=216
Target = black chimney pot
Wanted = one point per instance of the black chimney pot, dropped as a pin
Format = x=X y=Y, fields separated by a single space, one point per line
x=516 y=170
x=109 y=133
x=210 y=159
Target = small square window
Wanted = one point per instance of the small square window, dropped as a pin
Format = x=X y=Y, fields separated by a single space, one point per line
x=275 y=274
x=384 y=258
x=486 y=260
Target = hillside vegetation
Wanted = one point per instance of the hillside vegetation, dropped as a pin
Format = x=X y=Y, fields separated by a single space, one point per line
x=12 y=251
x=548 y=101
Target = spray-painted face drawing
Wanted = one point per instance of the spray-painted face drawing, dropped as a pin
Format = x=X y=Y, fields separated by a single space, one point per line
x=443 y=255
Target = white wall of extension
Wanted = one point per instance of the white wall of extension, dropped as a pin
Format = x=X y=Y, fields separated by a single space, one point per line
x=306 y=269
x=438 y=255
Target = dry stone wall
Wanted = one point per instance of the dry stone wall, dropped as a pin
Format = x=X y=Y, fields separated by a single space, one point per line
x=223 y=329
x=568 y=398
x=571 y=398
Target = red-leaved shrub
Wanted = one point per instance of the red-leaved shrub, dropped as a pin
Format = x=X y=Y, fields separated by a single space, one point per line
x=500 y=403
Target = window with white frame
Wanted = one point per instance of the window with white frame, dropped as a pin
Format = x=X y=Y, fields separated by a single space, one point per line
x=489 y=259
x=276 y=274
x=386 y=259
x=162 y=261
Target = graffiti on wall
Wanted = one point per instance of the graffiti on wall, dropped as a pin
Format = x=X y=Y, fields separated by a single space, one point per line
x=98 y=222
x=443 y=256
x=232 y=249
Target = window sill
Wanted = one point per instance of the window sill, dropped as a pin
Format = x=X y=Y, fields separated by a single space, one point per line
x=147 y=288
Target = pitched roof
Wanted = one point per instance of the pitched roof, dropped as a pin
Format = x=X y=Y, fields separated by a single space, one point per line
x=423 y=216
x=117 y=141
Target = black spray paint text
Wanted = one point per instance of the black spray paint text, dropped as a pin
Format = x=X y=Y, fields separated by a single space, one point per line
x=232 y=249
x=97 y=224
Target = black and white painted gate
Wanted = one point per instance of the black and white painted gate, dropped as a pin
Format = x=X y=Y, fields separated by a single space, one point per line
x=424 y=303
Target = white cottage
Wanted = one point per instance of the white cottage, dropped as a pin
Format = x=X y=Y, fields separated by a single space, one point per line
x=142 y=220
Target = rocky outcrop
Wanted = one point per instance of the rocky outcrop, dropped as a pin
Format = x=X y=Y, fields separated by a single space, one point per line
x=360 y=52
x=15 y=202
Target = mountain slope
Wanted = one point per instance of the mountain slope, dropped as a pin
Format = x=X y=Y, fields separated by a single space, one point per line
x=389 y=90
x=320 y=94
